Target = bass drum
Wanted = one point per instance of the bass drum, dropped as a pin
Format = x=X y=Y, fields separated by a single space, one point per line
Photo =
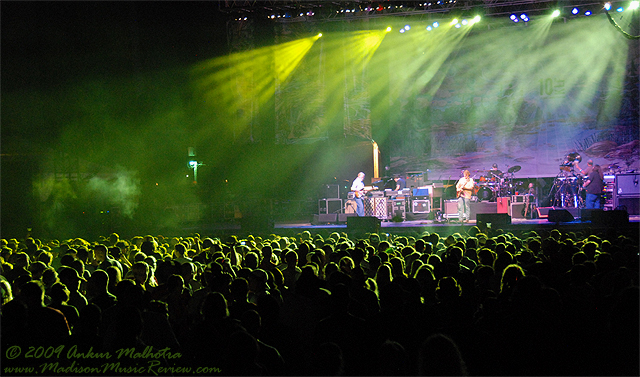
x=485 y=194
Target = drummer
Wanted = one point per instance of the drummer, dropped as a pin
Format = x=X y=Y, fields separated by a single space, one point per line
x=494 y=173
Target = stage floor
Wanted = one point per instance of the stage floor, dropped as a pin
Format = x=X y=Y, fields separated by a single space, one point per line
x=415 y=227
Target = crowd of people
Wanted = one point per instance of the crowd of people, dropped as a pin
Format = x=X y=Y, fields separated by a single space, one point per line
x=484 y=302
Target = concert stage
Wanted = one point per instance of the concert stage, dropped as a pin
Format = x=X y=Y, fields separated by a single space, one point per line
x=610 y=222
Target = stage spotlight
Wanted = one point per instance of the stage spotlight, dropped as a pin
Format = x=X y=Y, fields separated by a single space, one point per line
x=476 y=19
x=607 y=6
x=465 y=22
x=319 y=35
x=458 y=26
x=402 y=30
x=429 y=28
x=620 y=9
x=454 y=21
x=634 y=5
x=514 y=18
x=523 y=16
x=575 y=11
x=388 y=29
x=556 y=13
x=436 y=24
x=587 y=13
x=407 y=27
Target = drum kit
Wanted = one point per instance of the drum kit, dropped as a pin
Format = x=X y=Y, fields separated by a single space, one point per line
x=567 y=190
x=494 y=183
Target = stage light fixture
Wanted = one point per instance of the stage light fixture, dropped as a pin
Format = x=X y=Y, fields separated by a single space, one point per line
x=402 y=30
x=556 y=13
x=436 y=24
x=388 y=29
x=575 y=11
x=587 y=13
x=523 y=16
x=319 y=35
x=607 y=6
x=454 y=22
x=465 y=22
x=514 y=18
x=476 y=19
x=429 y=28
x=407 y=27
x=458 y=26
x=620 y=9
x=634 y=5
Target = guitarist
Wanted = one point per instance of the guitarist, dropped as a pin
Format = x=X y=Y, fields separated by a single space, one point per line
x=464 y=190
x=358 y=189
x=529 y=203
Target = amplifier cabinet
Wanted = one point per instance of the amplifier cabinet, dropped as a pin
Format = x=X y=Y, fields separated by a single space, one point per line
x=326 y=206
x=451 y=209
x=628 y=185
x=376 y=207
x=420 y=206
x=350 y=206
x=331 y=191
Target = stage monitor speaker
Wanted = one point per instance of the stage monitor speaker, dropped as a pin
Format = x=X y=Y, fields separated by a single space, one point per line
x=610 y=218
x=559 y=216
x=342 y=217
x=587 y=214
x=325 y=218
x=482 y=207
x=494 y=218
x=543 y=212
x=364 y=223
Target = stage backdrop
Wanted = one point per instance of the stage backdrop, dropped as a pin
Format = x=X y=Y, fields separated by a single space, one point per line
x=523 y=97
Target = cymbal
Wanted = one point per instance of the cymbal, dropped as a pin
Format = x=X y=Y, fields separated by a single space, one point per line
x=514 y=169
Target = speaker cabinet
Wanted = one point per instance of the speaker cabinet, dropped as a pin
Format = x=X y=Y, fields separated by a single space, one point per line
x=325 y=218
x=610 y=218
x=587 y=214
x=630 y=204
x=515 y=210
x=482 y=207
x=342 y=217
x=628 y=185
x=494 y=218
x=365 y=223
x=559 y=216
x=331 y=191
x=329 y=206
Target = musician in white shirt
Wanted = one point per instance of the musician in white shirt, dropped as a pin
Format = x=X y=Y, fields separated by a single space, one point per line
x=464 y=190
x=358 y=189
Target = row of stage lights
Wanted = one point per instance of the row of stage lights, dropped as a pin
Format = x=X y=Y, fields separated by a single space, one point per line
x=455 y=23
x=515 y=17
x=575 y=11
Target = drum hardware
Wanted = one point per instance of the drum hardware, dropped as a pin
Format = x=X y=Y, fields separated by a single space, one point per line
x=514 y=169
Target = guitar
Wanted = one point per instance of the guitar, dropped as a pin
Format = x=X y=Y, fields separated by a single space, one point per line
x=473 y=190
x=361 y=193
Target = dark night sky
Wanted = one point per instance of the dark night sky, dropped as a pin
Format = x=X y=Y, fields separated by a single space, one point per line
x=45 y=44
